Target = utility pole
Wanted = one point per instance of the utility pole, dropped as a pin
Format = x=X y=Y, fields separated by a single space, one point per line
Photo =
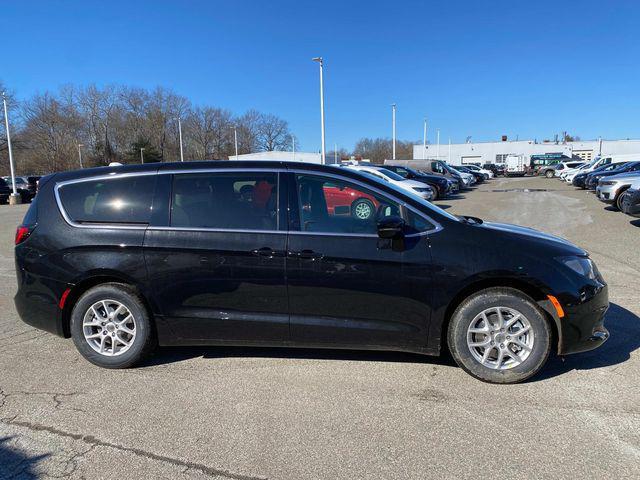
x=14 y=198
x=449 y=160
x=393 y=128
x=319 y=60
x=80 y=145
x=335 y=153
x=424 y=141
x=235 y=139
x=180 y=134
x=141 y=155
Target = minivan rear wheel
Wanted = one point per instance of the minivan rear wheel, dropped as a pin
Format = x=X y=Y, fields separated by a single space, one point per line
x=499 y=335
x=549 y=173
x=111 y=326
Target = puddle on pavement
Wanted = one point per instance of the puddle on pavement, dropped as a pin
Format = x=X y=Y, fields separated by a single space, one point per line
x=524 y=190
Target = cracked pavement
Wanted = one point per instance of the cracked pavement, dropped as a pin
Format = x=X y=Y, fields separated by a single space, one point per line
x=249 y=413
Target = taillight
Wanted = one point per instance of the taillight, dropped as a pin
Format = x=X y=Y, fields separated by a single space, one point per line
x=22 y=233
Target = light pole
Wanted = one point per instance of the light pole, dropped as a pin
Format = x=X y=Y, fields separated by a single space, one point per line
x=293 y=147
x=14 y=198
x=141 y=155
x=319 y=60
x=235 y=139
x=424 y=141
x=438 y=147
x=335 y=153
x=180 y=134
x=393 y=128
x=80 y=145
x=449 y=160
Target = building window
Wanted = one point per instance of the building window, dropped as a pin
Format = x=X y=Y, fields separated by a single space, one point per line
x=501 y=157
x=585 y=155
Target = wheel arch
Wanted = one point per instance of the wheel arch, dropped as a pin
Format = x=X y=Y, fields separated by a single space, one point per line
x=535 y=292
x=91 y=280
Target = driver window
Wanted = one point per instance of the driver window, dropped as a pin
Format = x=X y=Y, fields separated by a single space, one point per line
x=330 y=205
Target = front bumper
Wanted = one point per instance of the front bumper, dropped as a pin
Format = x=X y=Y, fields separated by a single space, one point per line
x=582 y=327
x=606 y=193
x=631 y=202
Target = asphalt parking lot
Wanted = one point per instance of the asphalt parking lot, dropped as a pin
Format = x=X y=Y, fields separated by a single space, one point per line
x=240 y=413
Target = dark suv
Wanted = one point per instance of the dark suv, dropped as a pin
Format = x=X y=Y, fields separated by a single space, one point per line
x=441 y=185
x=124 y=258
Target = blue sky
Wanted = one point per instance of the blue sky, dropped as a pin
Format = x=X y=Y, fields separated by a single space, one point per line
x=479 y=68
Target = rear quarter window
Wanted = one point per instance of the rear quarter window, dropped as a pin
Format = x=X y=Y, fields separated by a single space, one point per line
x=111 y=200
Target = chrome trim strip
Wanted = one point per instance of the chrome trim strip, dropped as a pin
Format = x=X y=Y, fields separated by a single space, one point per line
x=113 y=175
x=220 y=230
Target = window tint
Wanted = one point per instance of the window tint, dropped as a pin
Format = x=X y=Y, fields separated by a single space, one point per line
x=113 y=200
x=417 y=224
x=236 y=201
x=336 y=206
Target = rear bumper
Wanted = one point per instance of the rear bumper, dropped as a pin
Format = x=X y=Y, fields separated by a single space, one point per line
x=37 y=302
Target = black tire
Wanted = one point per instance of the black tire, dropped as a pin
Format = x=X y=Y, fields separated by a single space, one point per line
x=361 y=205
x=436 y=196
x=618 y=203
x=145 y=340
x=510 y=298
x=549 y=173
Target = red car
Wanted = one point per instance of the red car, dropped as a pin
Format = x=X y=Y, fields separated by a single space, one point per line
x=347 y=201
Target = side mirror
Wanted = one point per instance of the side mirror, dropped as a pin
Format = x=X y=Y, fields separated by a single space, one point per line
x=391 y=227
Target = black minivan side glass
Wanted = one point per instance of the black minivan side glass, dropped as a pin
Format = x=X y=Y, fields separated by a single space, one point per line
x=231 y=201
x=111 y=200
x=330 y=205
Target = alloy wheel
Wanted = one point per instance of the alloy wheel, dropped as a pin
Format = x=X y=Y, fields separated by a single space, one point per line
x=363 y=210
x=109 y=327
x=500 y=338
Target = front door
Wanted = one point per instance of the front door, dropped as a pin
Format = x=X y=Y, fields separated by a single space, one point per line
x=217 y=268
x=347 y=287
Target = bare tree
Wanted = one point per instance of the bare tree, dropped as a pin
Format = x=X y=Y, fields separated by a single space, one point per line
x=273 y=134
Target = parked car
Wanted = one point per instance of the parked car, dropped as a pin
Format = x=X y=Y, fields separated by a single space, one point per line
x=486 y=173
x=5 y=191
x=595 y=163
x=610 y=189
x=22 y=188
x=435 y=167
x=493 y=168
x=348 y=201
x=562 y=166
x=441 y=185
x=616 y=169
x=468 y=179
x=214 y=262
x=32 y=184
x=479 y=177
x=590 y=180
x=417 y=188
x=631 y=200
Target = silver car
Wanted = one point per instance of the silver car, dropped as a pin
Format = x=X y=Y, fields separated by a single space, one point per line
x=610 y=189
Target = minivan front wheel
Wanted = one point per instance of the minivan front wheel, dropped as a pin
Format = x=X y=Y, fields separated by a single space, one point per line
x=499 y=335
x=111 y=327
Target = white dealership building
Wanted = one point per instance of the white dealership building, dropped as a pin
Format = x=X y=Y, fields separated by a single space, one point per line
x=496 y=152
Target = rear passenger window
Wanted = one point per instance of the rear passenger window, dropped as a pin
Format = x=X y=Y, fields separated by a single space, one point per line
x=235 y=201
x=113 y=200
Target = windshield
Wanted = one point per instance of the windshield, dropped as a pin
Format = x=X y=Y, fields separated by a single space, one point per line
x=390 y=174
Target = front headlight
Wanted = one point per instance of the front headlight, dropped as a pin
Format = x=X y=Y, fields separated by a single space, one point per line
x=607 y=182
x=422 y=189
x=581 y=265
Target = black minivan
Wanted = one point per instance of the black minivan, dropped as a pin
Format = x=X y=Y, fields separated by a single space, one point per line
x=124 y=258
